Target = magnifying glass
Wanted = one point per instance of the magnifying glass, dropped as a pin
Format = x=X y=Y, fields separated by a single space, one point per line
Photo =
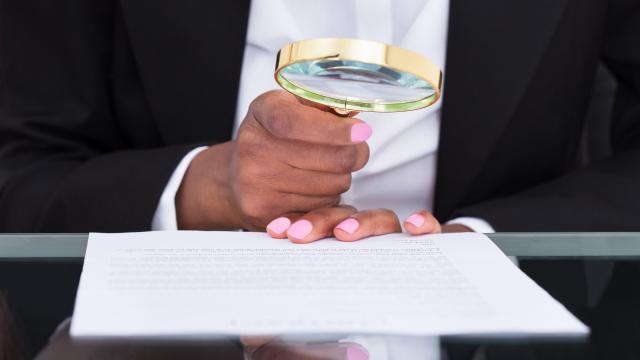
x=358 y=75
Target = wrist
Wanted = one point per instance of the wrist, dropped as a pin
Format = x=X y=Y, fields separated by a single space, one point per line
x=204 y=200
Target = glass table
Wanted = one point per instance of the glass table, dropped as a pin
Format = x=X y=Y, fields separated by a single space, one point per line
x=595 y=275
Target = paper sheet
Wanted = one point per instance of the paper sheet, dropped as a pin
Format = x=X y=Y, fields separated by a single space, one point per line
x=201 y=284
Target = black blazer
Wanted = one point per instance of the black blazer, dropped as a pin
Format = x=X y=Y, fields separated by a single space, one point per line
x=99 y=100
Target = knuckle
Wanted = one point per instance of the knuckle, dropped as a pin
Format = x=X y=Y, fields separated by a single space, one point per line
x=258 y=178
x=264 y=99
x=349 y=207
x=248 y=153
x=257 y=104
x=385 y=221
x=386 y=212
x=276 y=94
x=279 y=120
x=365 y=151
x=250 y=146
x=262 y=105
x=345 y=159
x=330 y=201
x=428 y=215
x=343 y=183
x=362 y=156
x=324 y=202
x=323 y=216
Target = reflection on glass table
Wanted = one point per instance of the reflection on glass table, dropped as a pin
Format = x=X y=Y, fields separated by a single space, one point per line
x=594 y=275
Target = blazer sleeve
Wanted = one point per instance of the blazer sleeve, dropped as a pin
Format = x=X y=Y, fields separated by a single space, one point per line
x=605 y=195
x=65 y=165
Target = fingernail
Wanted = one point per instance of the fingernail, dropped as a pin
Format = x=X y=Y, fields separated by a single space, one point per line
x=360 y=132
x=415 y=219
x=349 y=225
x=300 y=229
x=357 y=353
x=279 y=225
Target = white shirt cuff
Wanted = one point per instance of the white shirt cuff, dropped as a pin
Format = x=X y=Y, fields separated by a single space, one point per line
x=476 y=224
x=165 y=216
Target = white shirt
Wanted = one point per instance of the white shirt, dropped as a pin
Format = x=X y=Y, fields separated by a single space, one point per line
x=400 y=174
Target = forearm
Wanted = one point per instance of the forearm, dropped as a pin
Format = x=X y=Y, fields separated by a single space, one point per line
x=603 y=196
x=113 y=192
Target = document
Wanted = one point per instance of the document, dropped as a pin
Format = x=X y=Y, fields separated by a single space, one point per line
x=190 y=284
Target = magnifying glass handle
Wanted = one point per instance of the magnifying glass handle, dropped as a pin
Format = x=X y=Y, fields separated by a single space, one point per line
x=342 y=112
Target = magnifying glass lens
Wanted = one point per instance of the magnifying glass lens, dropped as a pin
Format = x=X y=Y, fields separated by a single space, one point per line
x=357 y=81
x=350 y=75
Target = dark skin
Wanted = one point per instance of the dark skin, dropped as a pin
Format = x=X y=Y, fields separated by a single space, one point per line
x=291 y=161
x=267 y=348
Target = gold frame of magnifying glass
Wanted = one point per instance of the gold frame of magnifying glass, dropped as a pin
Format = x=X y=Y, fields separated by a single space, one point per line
x=364 y=51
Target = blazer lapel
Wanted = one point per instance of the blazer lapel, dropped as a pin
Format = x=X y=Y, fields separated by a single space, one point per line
x=189 y=55
x=493 y=50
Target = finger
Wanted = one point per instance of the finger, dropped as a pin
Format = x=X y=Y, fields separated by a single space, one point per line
x=367 y=223
x=321 y=351
x=259 y=212
x=287 y=179
x=309 y=182
x=422 y=222
x=284 y=117
x=325 y=158
x=277 y=228
x=318 y=224
x=262 y=146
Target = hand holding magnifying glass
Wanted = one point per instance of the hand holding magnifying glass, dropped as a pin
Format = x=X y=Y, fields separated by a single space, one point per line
x=290 y=159
x=347 y=76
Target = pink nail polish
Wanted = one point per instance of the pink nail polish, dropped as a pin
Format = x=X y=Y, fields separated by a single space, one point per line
x=300 y=229
x=279 y=225
x=349 y=225
x=415 y=219
x=360 y=132
x=357 y=353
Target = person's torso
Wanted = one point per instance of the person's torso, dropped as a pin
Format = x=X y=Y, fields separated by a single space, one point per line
x=517 y=81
